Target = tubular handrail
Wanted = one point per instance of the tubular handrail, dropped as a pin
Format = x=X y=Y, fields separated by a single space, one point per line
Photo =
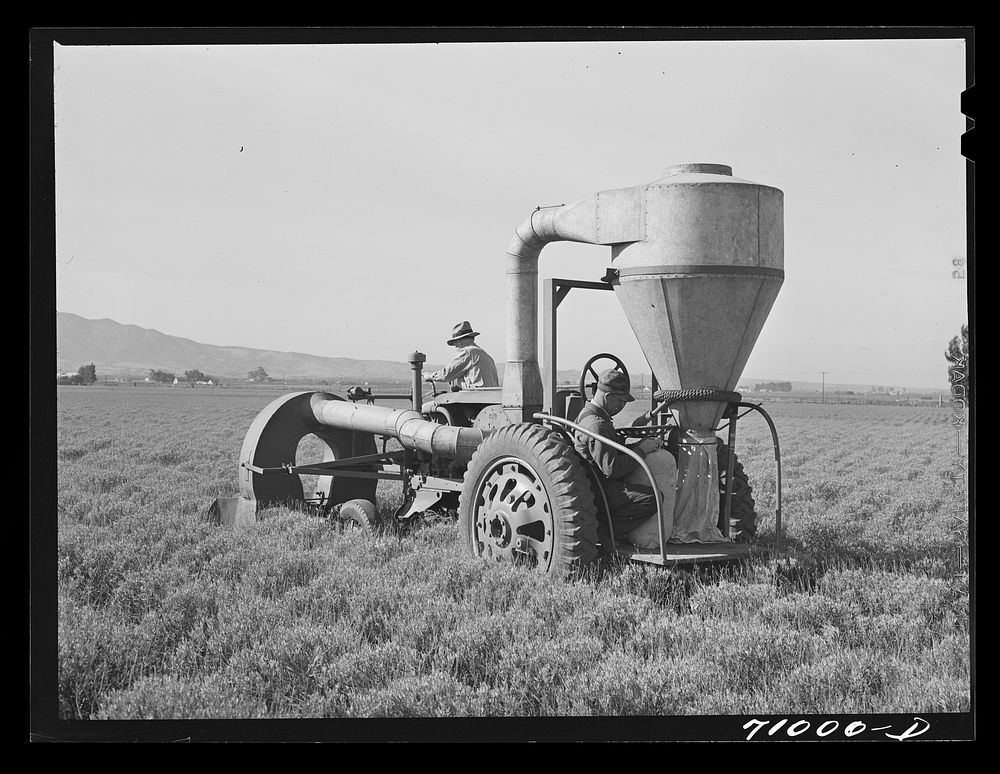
x=630 y=453
x=604 y=499
x=777 y=463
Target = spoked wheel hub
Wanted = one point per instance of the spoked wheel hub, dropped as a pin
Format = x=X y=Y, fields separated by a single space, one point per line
x=500 y=529
x=513 y=515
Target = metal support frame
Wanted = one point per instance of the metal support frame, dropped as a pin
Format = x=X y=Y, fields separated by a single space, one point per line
x=372 y=397
x=777 y=464
x=403 y=477
x=555 y=290
x=727 y=511
x=312 y=470
x=731 y=462
x=402 y=460
x=604 y=500
x=331 y=468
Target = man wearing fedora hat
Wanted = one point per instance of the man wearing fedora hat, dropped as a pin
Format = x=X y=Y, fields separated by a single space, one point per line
x=630 y=501
x=472 y=366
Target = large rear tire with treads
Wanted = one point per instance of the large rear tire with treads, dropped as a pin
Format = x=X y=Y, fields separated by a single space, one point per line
x=526 y=499
x=743 y=513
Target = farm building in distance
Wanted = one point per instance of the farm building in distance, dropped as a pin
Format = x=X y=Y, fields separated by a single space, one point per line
x=773 y=387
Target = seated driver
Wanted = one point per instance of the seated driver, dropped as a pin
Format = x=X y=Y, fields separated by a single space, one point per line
x=472 y=365
x=630 y=497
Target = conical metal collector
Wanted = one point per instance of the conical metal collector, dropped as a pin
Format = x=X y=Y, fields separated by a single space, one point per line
x=698 y=287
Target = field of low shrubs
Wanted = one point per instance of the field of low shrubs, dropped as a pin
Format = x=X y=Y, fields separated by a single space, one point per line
x=162 y=614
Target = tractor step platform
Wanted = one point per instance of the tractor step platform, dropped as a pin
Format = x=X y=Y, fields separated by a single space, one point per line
x=690 y=553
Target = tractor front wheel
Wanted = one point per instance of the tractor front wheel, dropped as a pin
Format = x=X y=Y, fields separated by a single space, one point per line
x=359 y=513
x=527 y=500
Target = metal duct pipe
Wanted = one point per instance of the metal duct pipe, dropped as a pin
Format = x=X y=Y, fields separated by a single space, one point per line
x=522 y=380
x=412 y=430
x=592 y=220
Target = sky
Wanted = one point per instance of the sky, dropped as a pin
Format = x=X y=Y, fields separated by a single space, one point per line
x=357 y=200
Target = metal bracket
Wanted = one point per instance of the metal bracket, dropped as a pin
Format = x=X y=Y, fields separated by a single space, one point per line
x=416 y=501
x=777 y=464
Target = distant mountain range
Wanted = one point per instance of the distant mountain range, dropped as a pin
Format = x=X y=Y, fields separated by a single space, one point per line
x=120 y=349
x=130 y=351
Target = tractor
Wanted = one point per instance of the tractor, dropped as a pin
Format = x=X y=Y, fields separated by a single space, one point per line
x=696 y=263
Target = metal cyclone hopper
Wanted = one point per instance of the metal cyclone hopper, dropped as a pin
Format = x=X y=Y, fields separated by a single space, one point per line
x=696 y=290
x=697 y=261
x=699 y=285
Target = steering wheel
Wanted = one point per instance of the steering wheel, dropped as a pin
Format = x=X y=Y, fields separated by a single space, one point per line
x=588 y=367
x=433 y=384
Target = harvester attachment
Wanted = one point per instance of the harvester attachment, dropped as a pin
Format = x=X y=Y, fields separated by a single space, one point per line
x=270 y=448
x=232 y=511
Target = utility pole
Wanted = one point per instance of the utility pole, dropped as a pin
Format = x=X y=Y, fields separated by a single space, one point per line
x=824 y=385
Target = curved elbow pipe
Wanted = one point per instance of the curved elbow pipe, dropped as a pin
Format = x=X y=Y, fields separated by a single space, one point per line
x=522 y=381
x=537 y=231
x=580 y=221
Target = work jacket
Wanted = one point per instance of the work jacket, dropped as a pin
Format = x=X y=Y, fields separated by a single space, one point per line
x=612 y=463
x=472 y=367
x=629 y=503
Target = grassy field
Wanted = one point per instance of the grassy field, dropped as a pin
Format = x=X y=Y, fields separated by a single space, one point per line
x=162 y=615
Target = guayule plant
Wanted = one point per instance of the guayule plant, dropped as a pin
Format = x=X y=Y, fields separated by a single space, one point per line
x=164 y=615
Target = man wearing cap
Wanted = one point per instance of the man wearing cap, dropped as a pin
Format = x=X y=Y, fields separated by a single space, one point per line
x=472 y=366
x=631 y=503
